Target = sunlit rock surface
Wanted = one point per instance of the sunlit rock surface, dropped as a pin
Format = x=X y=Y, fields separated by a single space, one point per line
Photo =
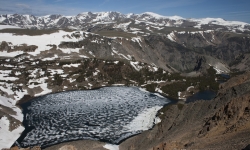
x=110 y=114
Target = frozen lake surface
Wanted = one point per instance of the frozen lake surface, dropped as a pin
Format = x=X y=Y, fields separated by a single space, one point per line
x=110 y=114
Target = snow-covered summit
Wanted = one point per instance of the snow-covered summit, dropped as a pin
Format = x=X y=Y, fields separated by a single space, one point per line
x=157 y=16
x=219 y=21
x=108 y=16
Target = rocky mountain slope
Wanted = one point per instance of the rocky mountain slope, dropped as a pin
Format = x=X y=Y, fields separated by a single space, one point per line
x=172 y=43
x=174 y=52
x=222 y=123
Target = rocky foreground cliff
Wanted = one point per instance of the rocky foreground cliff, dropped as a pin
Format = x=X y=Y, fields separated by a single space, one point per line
x=222 y=123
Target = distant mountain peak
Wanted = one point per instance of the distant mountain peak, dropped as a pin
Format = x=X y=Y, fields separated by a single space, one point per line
x=157 y=16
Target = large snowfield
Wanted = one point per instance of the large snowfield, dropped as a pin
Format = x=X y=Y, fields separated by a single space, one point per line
x=109 y=114
x=8 y=27
x=42 y=41
x=7 y=137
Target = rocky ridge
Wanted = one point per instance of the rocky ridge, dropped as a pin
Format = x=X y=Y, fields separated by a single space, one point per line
x=222 y=123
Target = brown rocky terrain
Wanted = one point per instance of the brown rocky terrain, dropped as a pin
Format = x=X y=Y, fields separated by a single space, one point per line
x=74 y=145
x=222 y=123
x=78 y=145
x=17 y=148
x=182 y=55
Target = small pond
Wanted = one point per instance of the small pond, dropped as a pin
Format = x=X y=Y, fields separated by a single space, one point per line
x=202 y=95
x=207 y=94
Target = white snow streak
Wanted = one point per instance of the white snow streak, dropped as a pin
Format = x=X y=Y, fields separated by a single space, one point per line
x=111 y=147
x=145 y=120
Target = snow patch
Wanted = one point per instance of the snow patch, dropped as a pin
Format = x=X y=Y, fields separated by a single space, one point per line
x=50 y=58
x=144 y=121
x=220 y=68
x=172 y=36
x=157 y=16
x=71 y=65
x=111 y=147
x=191 y=87
x=137 y=39
x=219 y=21
x=8 y=102
x=123 y=26
x=4 y=75
x=134 y=29
x=8 y=27
x=157 y=120
x=42 y=41
x=136 y=65
x=116 y=52
x=8 y=137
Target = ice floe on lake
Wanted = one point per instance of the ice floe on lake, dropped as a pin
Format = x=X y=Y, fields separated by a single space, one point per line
x=109 y=114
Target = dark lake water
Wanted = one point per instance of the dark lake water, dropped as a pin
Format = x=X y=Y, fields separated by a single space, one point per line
x=201 y=95
x=207 y=94
x=223 y=78
x=226 y=76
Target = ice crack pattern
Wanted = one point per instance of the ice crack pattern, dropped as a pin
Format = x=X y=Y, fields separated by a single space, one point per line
x=102 y=114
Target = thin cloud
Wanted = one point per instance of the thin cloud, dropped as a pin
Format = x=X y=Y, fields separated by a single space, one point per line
x=104 y=2
x=23 y=5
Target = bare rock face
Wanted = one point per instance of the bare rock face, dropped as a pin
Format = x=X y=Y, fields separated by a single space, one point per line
x=33 y=148
x=68 y=147
x=222 y=123
x=78 y=145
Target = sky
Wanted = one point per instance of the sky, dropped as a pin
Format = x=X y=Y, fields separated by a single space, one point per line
x=235 y=10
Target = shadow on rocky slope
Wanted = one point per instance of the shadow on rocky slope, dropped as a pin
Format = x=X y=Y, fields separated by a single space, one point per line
x=222 y=123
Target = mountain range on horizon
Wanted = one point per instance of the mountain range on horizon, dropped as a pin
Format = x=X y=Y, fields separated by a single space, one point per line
x=153 y=14
x=95 y=18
